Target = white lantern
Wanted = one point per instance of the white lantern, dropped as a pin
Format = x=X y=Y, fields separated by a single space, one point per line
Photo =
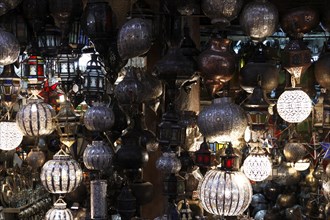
x=59 y=212
x=257 y=167
x=294 y=105
x=62 y=174
x=10 y=135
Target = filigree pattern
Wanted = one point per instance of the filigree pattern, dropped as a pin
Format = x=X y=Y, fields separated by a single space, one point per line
x=10 y=135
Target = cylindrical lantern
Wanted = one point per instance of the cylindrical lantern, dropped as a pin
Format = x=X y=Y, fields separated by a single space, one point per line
x=59 y=212
x=62 y=174
x=34 y=70
x=99 y=199
x=222 y=121
x=225 y=191
x=10 y=135
x=9 y=48
x=97 y=156
x=294 y=105
x=257 y=166
x=49 y=40
x=36 y=118
x=99 y=118
x=10 y=84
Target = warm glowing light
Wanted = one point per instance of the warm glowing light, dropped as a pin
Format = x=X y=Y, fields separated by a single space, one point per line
x=257 y=167
x=10 y=135
x=302 y=165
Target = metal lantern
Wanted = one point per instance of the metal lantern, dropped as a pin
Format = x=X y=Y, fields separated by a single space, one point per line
x=294 y=151
x=9 y=48
x=10 y=135
x=259 y=19
x=126 y=203
x=225 y=191
x=62 y=174
x=168 y=163
x=222 y=121
x=97 y=156
x=203 y=155
x=77 y=38
x=99 y=118
x=36 y=118
x=134 y=38
x=35 y=158
x=173 y=186
x=10 y=84
x=49 y=40
x=98 y=199
x=7 y=5
x=34 y=70
x=222 y=12
x=59 y=212
x=94 y=79
x=67 y=122
x=294 y=105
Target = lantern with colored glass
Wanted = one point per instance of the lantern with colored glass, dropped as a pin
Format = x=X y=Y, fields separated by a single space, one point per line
x=59 y=211
x=34 y=70
x=62 y=174
x=225 y=191
x=203 y=156
x=9 y=85
x=67 y=123
x=257 y=165
x=94 y=82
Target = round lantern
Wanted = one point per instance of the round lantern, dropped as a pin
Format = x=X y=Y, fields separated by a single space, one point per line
x=259 y=19
x=322 y=70
x=257 y=166
x=10 y=135
x=168 y=163
x=294 y=105
x=9 y=48
x=294 y=151
x=36 y=118
x=134 y=38
x=59 y=212
x=99 y=118
x=97 y=156
x=62 y=174
x=35 y=158
x=222 y=121
x=225 y=191
x=221 y=11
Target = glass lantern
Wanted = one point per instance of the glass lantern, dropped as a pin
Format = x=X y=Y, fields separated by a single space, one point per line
x=10 y=135
x=59 y=211
x=9 y=84
x=34 y=70
x=203 y=155
x=98 y=199
x=49 y=40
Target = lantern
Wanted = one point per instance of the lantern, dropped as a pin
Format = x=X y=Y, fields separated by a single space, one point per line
x=10 y=135
x=294 y=151
x=222 y=121
x=98 y=199
x=77 y=39
x=259 y=19
x=10 y=84
x=49 y=40
x=302 y=165
x=294 y=105
x=225 y=191
x=9 y=48
x=174 y=186
x=36 y=118
x=257 y=166
x=203 y=155
x=59 y=211
x=168 y=163
x=35 y=158
x=97 y=156
x=126 y=203
x=34 y=70
x=99 y=118
x=62 y=174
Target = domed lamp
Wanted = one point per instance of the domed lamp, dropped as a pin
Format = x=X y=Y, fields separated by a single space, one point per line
x=168 y=163
x=9 y=48
x=225 y=191
x=61 y=175
x=59 y=211
x=10 y=135
x=257 y=166
x=99 y=118
x=97 y=156
x=294 y=105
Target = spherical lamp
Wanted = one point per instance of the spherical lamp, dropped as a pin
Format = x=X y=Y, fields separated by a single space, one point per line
x=99 y=118
x=225 y=191
x=168 y=163
x=294 y=105
x=97 y=156
x=10 y=135
x=9 y=48
x=59 y=212
x=257 y=166
x=61 y=175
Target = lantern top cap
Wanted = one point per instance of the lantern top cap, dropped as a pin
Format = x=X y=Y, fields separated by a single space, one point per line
x=60 y=204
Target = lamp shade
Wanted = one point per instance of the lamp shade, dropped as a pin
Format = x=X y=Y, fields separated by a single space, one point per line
x=10 y=135
x=257 y=167
x=59 y=212
x=294 y=105
x=61 y=175
x=97 y=156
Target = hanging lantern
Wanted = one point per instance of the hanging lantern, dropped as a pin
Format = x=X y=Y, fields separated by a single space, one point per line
x=97 y=156
x=294 y=105
x=222 y=12
x=134 y=38
x=217 y=64
x=61 y=175
x=67 y=124
x=99 y=118
x=225 y=191
x=257 y=165
x=222 y=121
x=94 y=82
x=34 y=70
x=49 y=40
x=203 y=155
x=10 y=84
x=259 y=19
x=99 y=199
x=9 y=48
x=126 y=203
x=10 y=135
x=59 y=211
x=168 y=163
x=294 y=151
x=173 y=186
x=77 y=38
x=36 y=118
x=322 y=70
x=35 y=158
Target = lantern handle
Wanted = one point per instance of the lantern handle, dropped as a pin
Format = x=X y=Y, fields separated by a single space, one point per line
x=61 y=152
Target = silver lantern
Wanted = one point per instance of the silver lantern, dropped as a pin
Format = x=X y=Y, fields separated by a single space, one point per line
x=97 y=156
